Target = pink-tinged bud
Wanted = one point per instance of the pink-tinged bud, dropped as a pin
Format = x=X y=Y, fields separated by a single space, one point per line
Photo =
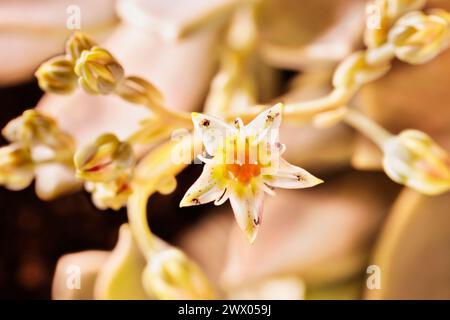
x=104 y=160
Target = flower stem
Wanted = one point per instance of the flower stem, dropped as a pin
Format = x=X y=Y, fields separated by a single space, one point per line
x=308 y=109
x=57 y=159
x=147 y=180
x=381 y=54
x=137 y=218
x=368 y=127
x=300 y=111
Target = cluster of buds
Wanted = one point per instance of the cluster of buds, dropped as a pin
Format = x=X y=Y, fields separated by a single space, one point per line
x=84 y=63
x=106 y=166
x=96 y=71
x=26 y=133
x=58 y=75
x=382 y=14
x=417 y=38
x=413 y=159
x=171 y=275
x=414 y=38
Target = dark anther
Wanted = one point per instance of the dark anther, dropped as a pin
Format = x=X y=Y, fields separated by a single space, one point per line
x=223 y=194
x=269 y=118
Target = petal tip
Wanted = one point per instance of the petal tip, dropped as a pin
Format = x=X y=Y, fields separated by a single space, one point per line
x=277 y=109
x=318 y=181
x=184 y=202
x=251 y=236
x=279 y=105
x=189 y=201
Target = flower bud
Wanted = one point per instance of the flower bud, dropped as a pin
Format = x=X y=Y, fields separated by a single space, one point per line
x=78 y=43
x=412 y=158
x=104 y=160
x=396 y=8
x=139 y=91
x=382 y=13
x=418 y=38
x=34 y=128
x=170 y=275
x=98 y=71
x=440 y=13
x=354 y=71
x=110 y=195
x=57 y=75
x=16 y=167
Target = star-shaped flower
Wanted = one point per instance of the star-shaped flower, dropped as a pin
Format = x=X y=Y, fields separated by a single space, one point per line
x=242 y=164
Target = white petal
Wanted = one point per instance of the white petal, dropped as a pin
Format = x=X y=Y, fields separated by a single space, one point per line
x=266 y=122
x=396 y=169
x=248 y=209
x=224 y=197
x=213 y=131
x=289 y=176
x=204 y=190
x=268 y=189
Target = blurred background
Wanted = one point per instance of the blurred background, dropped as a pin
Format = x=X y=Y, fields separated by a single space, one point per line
x=315 y=243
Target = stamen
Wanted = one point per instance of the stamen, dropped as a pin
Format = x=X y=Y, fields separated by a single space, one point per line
x=238 y=123
x=222 y=198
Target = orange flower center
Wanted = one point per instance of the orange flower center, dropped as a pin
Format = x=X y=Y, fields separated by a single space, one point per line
x=244 y=172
